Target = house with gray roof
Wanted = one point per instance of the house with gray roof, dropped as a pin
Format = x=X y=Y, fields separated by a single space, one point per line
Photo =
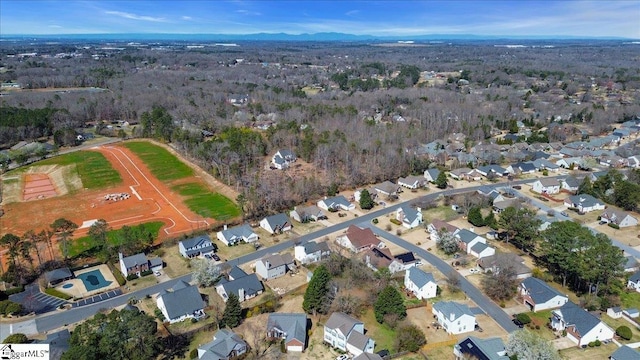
x=630 y=264
x=621 y=218
x=346 y=333
x=521 y=168
x=181 y=303
x=276 y=224
x=225 y=345
x=311 y=252
x=625 y=353
x=290 y=327
x=466 y=239
x=336 y=203
x=570 y=184
x=283 y=159
x=494 y=262
x=236 y=235
x=544 y=164
x=409 y=216
x=388 y=189
x=546 y=186
x=538 y=295
x=431 y=174
x=274 y=266
x=368 y=356
x=454 y=317
x=421 y=283
x=481 y=349
x=634 y=281
x=581 y=326
x=196 y=246
x=303 y=214
x=57 y=276
x=245 y=286
x=134 y=264
x=412 y=182
x=496 y=170
x=481 y=250
x=584 y=203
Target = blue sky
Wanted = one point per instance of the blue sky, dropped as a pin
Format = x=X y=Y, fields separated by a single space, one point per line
x=519 y=18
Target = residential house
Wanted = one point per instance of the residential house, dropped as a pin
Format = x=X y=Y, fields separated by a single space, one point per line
x=138 y=263
x=492 y=170
x=379 y=258
x=438 y=225
x=544 y=164
x=521 y=168
x=431 y=174
x=57 y=276
x=303 y=214
x=581 y=326
x=570 y=184
x=466 y=239
x=567 y=162
x=290 y=327
x=466 y=174
x=538 y=295
x=454 y=317
x=357 y=239
x=546 y=186
x=614 y=312
x=631 y=313
x=283 y=159
x=238 y=234
x=225 y=345
x=500 y=206
x=276 y=224
x=584 y=203
x=634 y=281
x=480 y=250
x=346 y=333
x=630 y=264
x=274 y=266
x=372 y=192
x=311 y=252
x=494 y=262
x=181 y=303
x=404 y=261
x=58 y=342
x=196 y=246
x=481 y=349
x=621 y=218
x=422 y=284
x=409 y=216
x=412 y=182
x=245 y=286
x=634 y=161
x=625 y=353
x=388 y=189
x=336 y=203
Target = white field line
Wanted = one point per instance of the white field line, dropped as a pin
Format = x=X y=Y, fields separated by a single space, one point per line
x=135 y=192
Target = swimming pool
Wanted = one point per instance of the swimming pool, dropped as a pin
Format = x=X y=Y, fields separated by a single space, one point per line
x=67 y=286
x=93 y=280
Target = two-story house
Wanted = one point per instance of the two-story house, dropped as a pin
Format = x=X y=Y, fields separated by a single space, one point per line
x=138 y=263
x=454 y=317
x=311 y=252
x=274 y=266
x=283 y=159
x=581 y=326
x=238 y=234
x=245 y=286
x=346 y=333
x=621 y=218
x=290 y=327
x=357 y=239
x=538 y=295
x=546 y=186
x=196 y=246
x=409 y=216
x=422 y=284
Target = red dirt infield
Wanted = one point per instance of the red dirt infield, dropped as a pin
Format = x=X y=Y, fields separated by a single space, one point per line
x=149 y=200
x=38 y=186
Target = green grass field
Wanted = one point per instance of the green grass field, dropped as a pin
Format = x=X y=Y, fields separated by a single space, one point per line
x=162 y=164
x=86 y=243
x=205 y=203
x=92 y=167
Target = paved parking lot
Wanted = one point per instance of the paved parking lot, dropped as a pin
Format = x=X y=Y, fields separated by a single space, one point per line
x=97 y=298
x=33 y=300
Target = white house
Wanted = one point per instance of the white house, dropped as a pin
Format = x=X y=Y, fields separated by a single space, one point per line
x=245 y=286
x=634 y=281
x=420 y=283
x=276 y=224
x=274 y=266
x=581 y=326
x=570 y=184
x=454 y=317
x=290 y=327
x=467 y=239
x=283 y=159
x=481 y=250
x=357 y=239
x=431 y=174
x=225 y=345
x=625 y=352
x=311 y=252
x=409 y=216
x=620 y=218
x=437 y=225
x=196 y=246
x=303 y=214
x=181 y=303
x=584 y=203
x=238 y=234
x=346 y=333
x=412 y=182
x=546 y=186
x=538 y=295
x=336 y=203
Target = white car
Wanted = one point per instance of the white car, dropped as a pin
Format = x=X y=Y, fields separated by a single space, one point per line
x=474 y=270
x=157 y=273
x=343 y=357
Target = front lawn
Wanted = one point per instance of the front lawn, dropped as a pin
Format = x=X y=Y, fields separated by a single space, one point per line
x=381 y=333
x=630 y=299
x=205 y=203
x=92 y=167
x=598 y=352
x=162 y=164
x=86 y=243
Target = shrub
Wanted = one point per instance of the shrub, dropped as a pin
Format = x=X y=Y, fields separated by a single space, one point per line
x=523 y=318
x=132 y=277
x=388 y=227
x=395 y=221
x=597 y=343
x=16 y=338
x=592 y=344
x=193 y=354
x=615 y=226
x=145 y=273
x=14 y=290
x=375 y=221
x=624 y=332
x=399 y=232
x=194 y=320
x=58 y=294
x=118 y=275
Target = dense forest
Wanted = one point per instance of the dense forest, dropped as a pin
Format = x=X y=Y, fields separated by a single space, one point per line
x=354 y=112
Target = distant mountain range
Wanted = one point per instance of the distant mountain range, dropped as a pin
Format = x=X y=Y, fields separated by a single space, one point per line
x=324 y=36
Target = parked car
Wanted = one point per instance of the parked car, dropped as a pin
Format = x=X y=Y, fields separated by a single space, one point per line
x=216 y=257
x=564 y=213
x=342 y=357
x=157 y=273
x=518 y=322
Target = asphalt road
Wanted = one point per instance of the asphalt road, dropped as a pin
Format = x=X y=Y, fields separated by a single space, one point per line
x=54 y=320
x=486 y=304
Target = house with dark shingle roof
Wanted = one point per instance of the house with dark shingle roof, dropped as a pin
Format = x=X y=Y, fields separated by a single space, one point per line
x=431 y=174
x=581 y=326
x=357 y=239
x=225 y=345
x=134 y=264
x=346 y=333
x=196 y=246
x=283 y=159
x=571 y=184
x=276 y=224
x=454 y=317
x=238 y=234
x=311 y=252
x=481 y=349
x=467 y=239
x=621 y=218
x=625 y=353
x=409 y=216
x=290 y=327
x=57 y=276
x=634 y=281
x=336 y=203
x=303 y=214
x=245 y=286
x=584 y=203
x=274 y=266
x=422 y=284
x=183 y=302
x=538 y=295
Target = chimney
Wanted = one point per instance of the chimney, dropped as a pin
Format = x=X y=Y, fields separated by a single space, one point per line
x=224 y=227
x=120 y=256
x=418 y=209
x=452 y=317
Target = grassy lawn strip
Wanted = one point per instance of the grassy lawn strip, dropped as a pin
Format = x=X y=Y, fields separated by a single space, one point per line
x=541 y=318
x=203 y=202
x=86 y=243
x=383 y=335
x=94 y=169
x=630 y=299
x=162 y=164
x=57 y=293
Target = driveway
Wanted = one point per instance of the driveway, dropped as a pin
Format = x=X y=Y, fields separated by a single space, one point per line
x=563 y=343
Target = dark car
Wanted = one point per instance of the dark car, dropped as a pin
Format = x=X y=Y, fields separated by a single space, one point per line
x=518 y=323
x=216 y=257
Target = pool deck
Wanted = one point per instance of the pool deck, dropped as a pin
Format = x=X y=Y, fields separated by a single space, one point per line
x=79 y=290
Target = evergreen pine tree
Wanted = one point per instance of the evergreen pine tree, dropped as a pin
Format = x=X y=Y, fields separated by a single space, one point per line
x=441 y=180
x=389 y=302
x=366 y=202
x=315 y=298
x=232 y=315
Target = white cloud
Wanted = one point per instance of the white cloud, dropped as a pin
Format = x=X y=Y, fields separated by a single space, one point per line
x=131 y=16
x=187 y=18
x=55 y=26
x=352 y=12
x=247 y=12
